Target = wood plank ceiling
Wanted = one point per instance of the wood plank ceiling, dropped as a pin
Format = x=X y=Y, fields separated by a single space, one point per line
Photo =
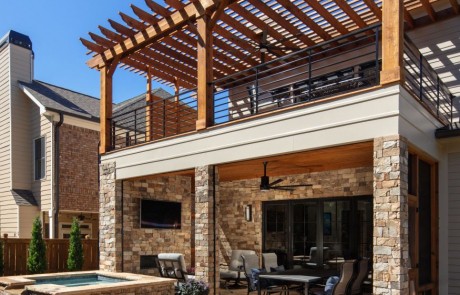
x=243 y=28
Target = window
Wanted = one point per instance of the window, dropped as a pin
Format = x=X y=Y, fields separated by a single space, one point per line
x=39 y=158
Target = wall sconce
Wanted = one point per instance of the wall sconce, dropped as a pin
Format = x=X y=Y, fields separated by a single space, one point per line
x=248 y=212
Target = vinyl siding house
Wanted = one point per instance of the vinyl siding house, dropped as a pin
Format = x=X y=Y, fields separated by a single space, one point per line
x=48 y=149
x=353 y=104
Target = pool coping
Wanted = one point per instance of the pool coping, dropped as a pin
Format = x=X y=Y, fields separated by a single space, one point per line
x=134 y=280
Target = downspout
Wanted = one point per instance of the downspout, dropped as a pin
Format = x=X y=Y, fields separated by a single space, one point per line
x=57 y=173
x=214 y=217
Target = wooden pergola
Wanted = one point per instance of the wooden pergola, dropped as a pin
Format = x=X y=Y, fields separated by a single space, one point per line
x=188 y=44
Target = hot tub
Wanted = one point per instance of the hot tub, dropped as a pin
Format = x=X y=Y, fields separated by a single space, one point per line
x=87 y=282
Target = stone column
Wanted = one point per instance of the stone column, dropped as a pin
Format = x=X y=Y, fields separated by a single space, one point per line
x=391 y=238
x=109 y=219
x=206 y=243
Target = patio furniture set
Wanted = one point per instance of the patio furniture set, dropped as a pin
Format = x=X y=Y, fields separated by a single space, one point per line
x=273 y=278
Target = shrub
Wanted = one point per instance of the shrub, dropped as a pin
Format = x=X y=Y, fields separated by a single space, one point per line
x=194 y=287
x=36 y=262
x=75 y=259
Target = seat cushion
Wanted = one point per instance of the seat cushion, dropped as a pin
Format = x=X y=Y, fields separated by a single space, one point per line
x=226 y=274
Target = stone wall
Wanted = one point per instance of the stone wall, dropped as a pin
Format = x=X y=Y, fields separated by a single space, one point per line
x=78 y=182
x=391 y=232
x=109 y=219
x=142 y=241
x=236 y=233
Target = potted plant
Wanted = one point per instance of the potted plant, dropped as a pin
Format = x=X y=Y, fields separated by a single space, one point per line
x=194 y=287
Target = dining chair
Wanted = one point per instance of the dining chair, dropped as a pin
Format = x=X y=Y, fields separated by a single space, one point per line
x=343 y=286
x=251 y=271
x=235 y=267
x=363 y=270
x=269 y=261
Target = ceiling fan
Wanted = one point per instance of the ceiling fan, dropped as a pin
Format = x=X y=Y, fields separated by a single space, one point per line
x=264 y=46
x=266 y=185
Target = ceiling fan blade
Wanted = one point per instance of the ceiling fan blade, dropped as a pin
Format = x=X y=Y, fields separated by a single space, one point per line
x=275 y=182
x=294 y=185
x=281 y=188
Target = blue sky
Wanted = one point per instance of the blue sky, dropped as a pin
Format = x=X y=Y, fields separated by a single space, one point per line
x=55 y=27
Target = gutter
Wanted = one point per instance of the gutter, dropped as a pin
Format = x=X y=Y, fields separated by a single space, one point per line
x=57 y=172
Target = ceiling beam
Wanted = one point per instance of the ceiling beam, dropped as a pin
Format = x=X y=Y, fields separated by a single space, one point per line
x=345 y=7
x=374 y=8
x=163 y=28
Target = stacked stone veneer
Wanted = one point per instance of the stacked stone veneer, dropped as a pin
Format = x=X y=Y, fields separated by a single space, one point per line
x=236 y=233
x=141 y=241
x=206 y=197
x=391 y=242
x=109 y=219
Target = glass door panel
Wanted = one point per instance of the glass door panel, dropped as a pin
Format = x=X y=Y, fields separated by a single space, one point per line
x=304 y=238
x=276 y=232
x=336 y=233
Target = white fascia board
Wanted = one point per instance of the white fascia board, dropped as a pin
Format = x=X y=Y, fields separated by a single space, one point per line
x=41 y=107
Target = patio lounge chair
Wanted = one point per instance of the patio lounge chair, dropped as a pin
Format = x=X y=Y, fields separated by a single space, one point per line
x=250 y=266
x=269 y=261
x=343 y=287
x=172 y=265
x=363 y=269
x=235 y=267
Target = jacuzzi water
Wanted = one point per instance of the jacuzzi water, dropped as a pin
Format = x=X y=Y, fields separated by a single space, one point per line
x=79 y=280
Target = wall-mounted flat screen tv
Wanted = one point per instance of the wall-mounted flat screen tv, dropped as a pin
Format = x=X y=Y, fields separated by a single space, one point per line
x=160 y=214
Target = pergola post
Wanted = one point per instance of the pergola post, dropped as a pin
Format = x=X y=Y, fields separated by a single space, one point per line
x=205 y=73
x=106 y=106
x=392 y=42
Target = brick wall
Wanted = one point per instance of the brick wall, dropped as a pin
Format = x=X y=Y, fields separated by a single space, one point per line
x=78 y=169
x=237 y=233
x=141 y=241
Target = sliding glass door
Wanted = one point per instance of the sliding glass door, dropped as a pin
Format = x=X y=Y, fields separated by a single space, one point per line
x=318 y=233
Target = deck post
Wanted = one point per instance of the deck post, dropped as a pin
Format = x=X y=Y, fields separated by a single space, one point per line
x=391 y=216
x=392 y=42
x=206 y=237
x=205 y=73
x=106 y=106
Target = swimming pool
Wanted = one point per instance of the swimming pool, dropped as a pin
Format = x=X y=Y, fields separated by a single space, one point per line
x=93 y=279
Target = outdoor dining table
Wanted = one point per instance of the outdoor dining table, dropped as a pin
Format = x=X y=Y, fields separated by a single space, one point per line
x=303 y=276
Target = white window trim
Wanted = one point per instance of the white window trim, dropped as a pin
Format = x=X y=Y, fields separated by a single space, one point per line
x=33 y=158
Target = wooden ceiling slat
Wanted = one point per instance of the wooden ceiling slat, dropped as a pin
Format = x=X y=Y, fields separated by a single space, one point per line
x=268 y=11
x=374 y=8
x=222 y=62
x=145 y=58
x=237 y=8
x=351 y=13
x=186 y=68
x=429 y=9
x=314 y=4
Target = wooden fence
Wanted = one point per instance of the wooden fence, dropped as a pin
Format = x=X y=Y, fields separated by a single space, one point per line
x=16 y=252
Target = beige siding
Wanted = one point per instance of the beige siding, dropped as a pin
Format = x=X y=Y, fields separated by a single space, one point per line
x=26 y=216
x=8 y=216
x=454 y=223
x=42 y=126
x=20 y=109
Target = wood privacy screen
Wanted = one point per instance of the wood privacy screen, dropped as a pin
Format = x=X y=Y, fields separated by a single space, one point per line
x=16 y=252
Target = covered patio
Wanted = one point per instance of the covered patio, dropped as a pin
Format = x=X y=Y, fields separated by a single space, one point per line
x=236 y=62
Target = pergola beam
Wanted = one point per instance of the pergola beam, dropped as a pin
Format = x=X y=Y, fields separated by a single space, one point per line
x=164 y=27
x=455 y=6
x=429 y=9
x=315 y=5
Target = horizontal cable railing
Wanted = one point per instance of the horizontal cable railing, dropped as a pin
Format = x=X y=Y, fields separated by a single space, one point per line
x=158 y=119
x=337 y=66
x=422 y=80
